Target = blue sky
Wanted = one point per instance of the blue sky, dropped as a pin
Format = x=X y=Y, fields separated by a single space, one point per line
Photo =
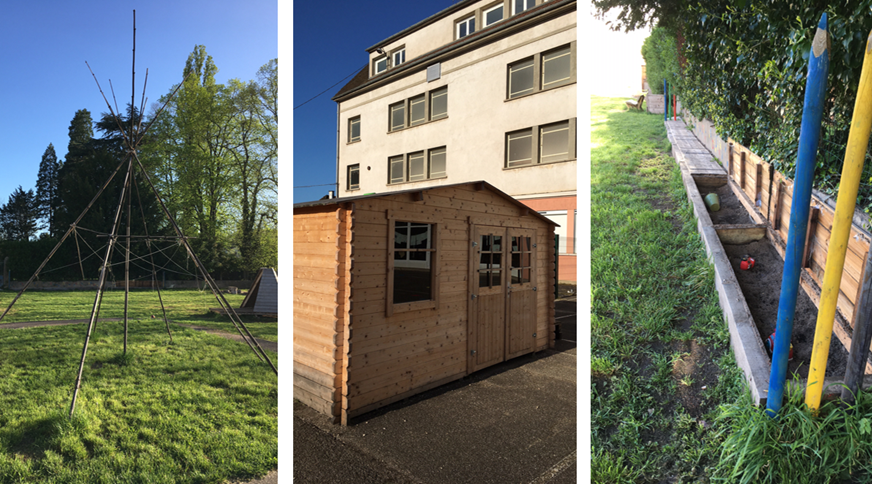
x=45 y=46
x=330 y=42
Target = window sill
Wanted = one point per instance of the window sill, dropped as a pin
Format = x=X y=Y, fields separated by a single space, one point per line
x=522 y=96
x=417 y=181
x=538 y=164
x=353 y=142
x=414 y=306
x=356 y=189
x=418 y=125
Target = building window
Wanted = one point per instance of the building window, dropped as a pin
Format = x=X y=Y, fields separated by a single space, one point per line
x=396 y=165
x=548 y=143
x=556 y=67
x=417 y=166
x=519 y=6
x=554 y=142
x=414 y=251
x=399 y=56
x=421 y=108
x=519 y=146
x=439 y=103
x=354 y=129
x=493 y=15
x=398 y=116
x=380 y=65
x=541 y=72
x=354 y=177
x=558 y=217
x=417 y=110
x=437 y=163
x=466 y=27
x=521 y=78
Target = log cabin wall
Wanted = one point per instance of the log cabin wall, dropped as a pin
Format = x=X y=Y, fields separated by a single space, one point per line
x=320 y=272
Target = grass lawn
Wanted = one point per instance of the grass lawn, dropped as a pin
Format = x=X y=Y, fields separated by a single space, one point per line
x=202 y=409
x=186 y=306
x=661 y=362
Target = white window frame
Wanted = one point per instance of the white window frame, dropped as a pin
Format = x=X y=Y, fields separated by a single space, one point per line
x=517 y=67
x=442 y=91
x=398 y=160
x=351 y=122
x=375 y=63
x=401 y=52
x=419 y=101
x=465 y=21
x=517 y=135
x=436 y=151
x=391 y=109
x=351 y=168
x=562 y=80
x=531 y=3
x=552 y=129
x=484 y=22
x=417 y=156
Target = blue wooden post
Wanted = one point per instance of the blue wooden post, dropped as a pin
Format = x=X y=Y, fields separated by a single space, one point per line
x=665 y=101
x=809 y=136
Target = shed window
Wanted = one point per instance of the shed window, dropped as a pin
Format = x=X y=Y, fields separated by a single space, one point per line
x=491 y=263
x=522 y=259
x=414 y=253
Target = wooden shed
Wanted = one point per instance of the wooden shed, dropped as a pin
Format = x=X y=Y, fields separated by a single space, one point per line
x=398 y=293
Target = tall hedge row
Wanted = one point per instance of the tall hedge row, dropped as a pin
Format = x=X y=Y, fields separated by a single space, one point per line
x=746 y=71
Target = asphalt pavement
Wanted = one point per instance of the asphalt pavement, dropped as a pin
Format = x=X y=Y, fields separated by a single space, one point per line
x=511 y=423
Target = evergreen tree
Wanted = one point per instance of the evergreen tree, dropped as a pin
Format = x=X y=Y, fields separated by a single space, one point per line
x=18 y=217
x=47 y=190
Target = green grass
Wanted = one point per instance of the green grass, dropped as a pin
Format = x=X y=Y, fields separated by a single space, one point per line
x=657 y=332
x=202 y=409
x=187 y=306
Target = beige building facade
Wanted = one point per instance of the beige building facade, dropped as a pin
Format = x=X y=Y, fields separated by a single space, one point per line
x=482 y=90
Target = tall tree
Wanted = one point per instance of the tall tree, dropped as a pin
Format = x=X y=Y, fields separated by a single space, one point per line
x=47 y=190
x=18 y=217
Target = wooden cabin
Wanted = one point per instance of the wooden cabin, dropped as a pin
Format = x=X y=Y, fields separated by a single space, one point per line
x=398 y=293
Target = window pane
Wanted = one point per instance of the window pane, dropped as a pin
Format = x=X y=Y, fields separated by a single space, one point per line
x=418 y=256
x=516 y=276
x=416 y=166
x=484 y=279
x=399 y=57
x=485 y=243
x=520 y=147
x=437 y=163
x=419 y=236
x=439 y=103
x=398 y=116
x=401 y=235
x=522 y=5
x=381 y=64
x=521 y=78
x=498 y=241
x=556 y=67
x=516 y=259
x=493 y=16
x=416 y=108
x=484 y=261
x=497 y=261
x=397 y=175
x=525 y=260
x=401 y=255
x=525 y=275
x=354 y=176
x=555 y=142
x=495 y=278
x=412 y=283
x=354 y=129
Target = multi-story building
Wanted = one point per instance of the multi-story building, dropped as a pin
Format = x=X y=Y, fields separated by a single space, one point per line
x=482 y=90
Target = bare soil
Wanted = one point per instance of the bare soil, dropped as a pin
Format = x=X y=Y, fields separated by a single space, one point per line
x=731 y=212
x=761 y=287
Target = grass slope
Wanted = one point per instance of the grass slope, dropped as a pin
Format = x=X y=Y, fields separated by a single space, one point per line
x=661 y=364
x=202 y=409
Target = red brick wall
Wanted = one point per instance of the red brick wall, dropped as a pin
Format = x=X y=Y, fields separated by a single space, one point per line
x=566 y=263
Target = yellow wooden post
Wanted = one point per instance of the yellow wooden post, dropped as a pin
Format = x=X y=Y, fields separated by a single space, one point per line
x=858 y=140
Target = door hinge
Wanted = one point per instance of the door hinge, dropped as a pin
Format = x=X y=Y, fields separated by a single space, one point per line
x=534 y=288
x=534 y=335
x=472 y=352
x=473 y=296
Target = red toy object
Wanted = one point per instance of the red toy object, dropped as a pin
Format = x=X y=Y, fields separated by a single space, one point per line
x=747 y=263
x=770 y=342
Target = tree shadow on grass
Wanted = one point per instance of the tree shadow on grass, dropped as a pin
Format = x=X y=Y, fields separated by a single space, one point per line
x=33 y=438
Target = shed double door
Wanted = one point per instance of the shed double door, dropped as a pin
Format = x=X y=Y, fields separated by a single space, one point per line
x=502 y=307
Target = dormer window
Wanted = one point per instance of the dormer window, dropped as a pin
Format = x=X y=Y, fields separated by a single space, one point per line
x=466 y=27
x=519 y=6
x=493 y=15
x=399 y=57
x=380 y=65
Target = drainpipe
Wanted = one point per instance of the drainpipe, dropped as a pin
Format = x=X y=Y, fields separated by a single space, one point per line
x=337 y=147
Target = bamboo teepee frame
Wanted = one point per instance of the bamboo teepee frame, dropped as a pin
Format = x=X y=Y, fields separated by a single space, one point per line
x=132 y=141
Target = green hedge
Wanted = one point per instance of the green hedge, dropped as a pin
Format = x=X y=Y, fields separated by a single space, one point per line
x=661 y=59
x=746 y=71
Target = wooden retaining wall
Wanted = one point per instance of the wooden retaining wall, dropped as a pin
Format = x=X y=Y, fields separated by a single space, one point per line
x=768 y=194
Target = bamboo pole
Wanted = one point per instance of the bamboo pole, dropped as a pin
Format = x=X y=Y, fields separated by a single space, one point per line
x=815 y=91
x=858 y=141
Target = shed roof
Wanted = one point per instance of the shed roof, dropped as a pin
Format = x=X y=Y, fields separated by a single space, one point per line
x=480 y=185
